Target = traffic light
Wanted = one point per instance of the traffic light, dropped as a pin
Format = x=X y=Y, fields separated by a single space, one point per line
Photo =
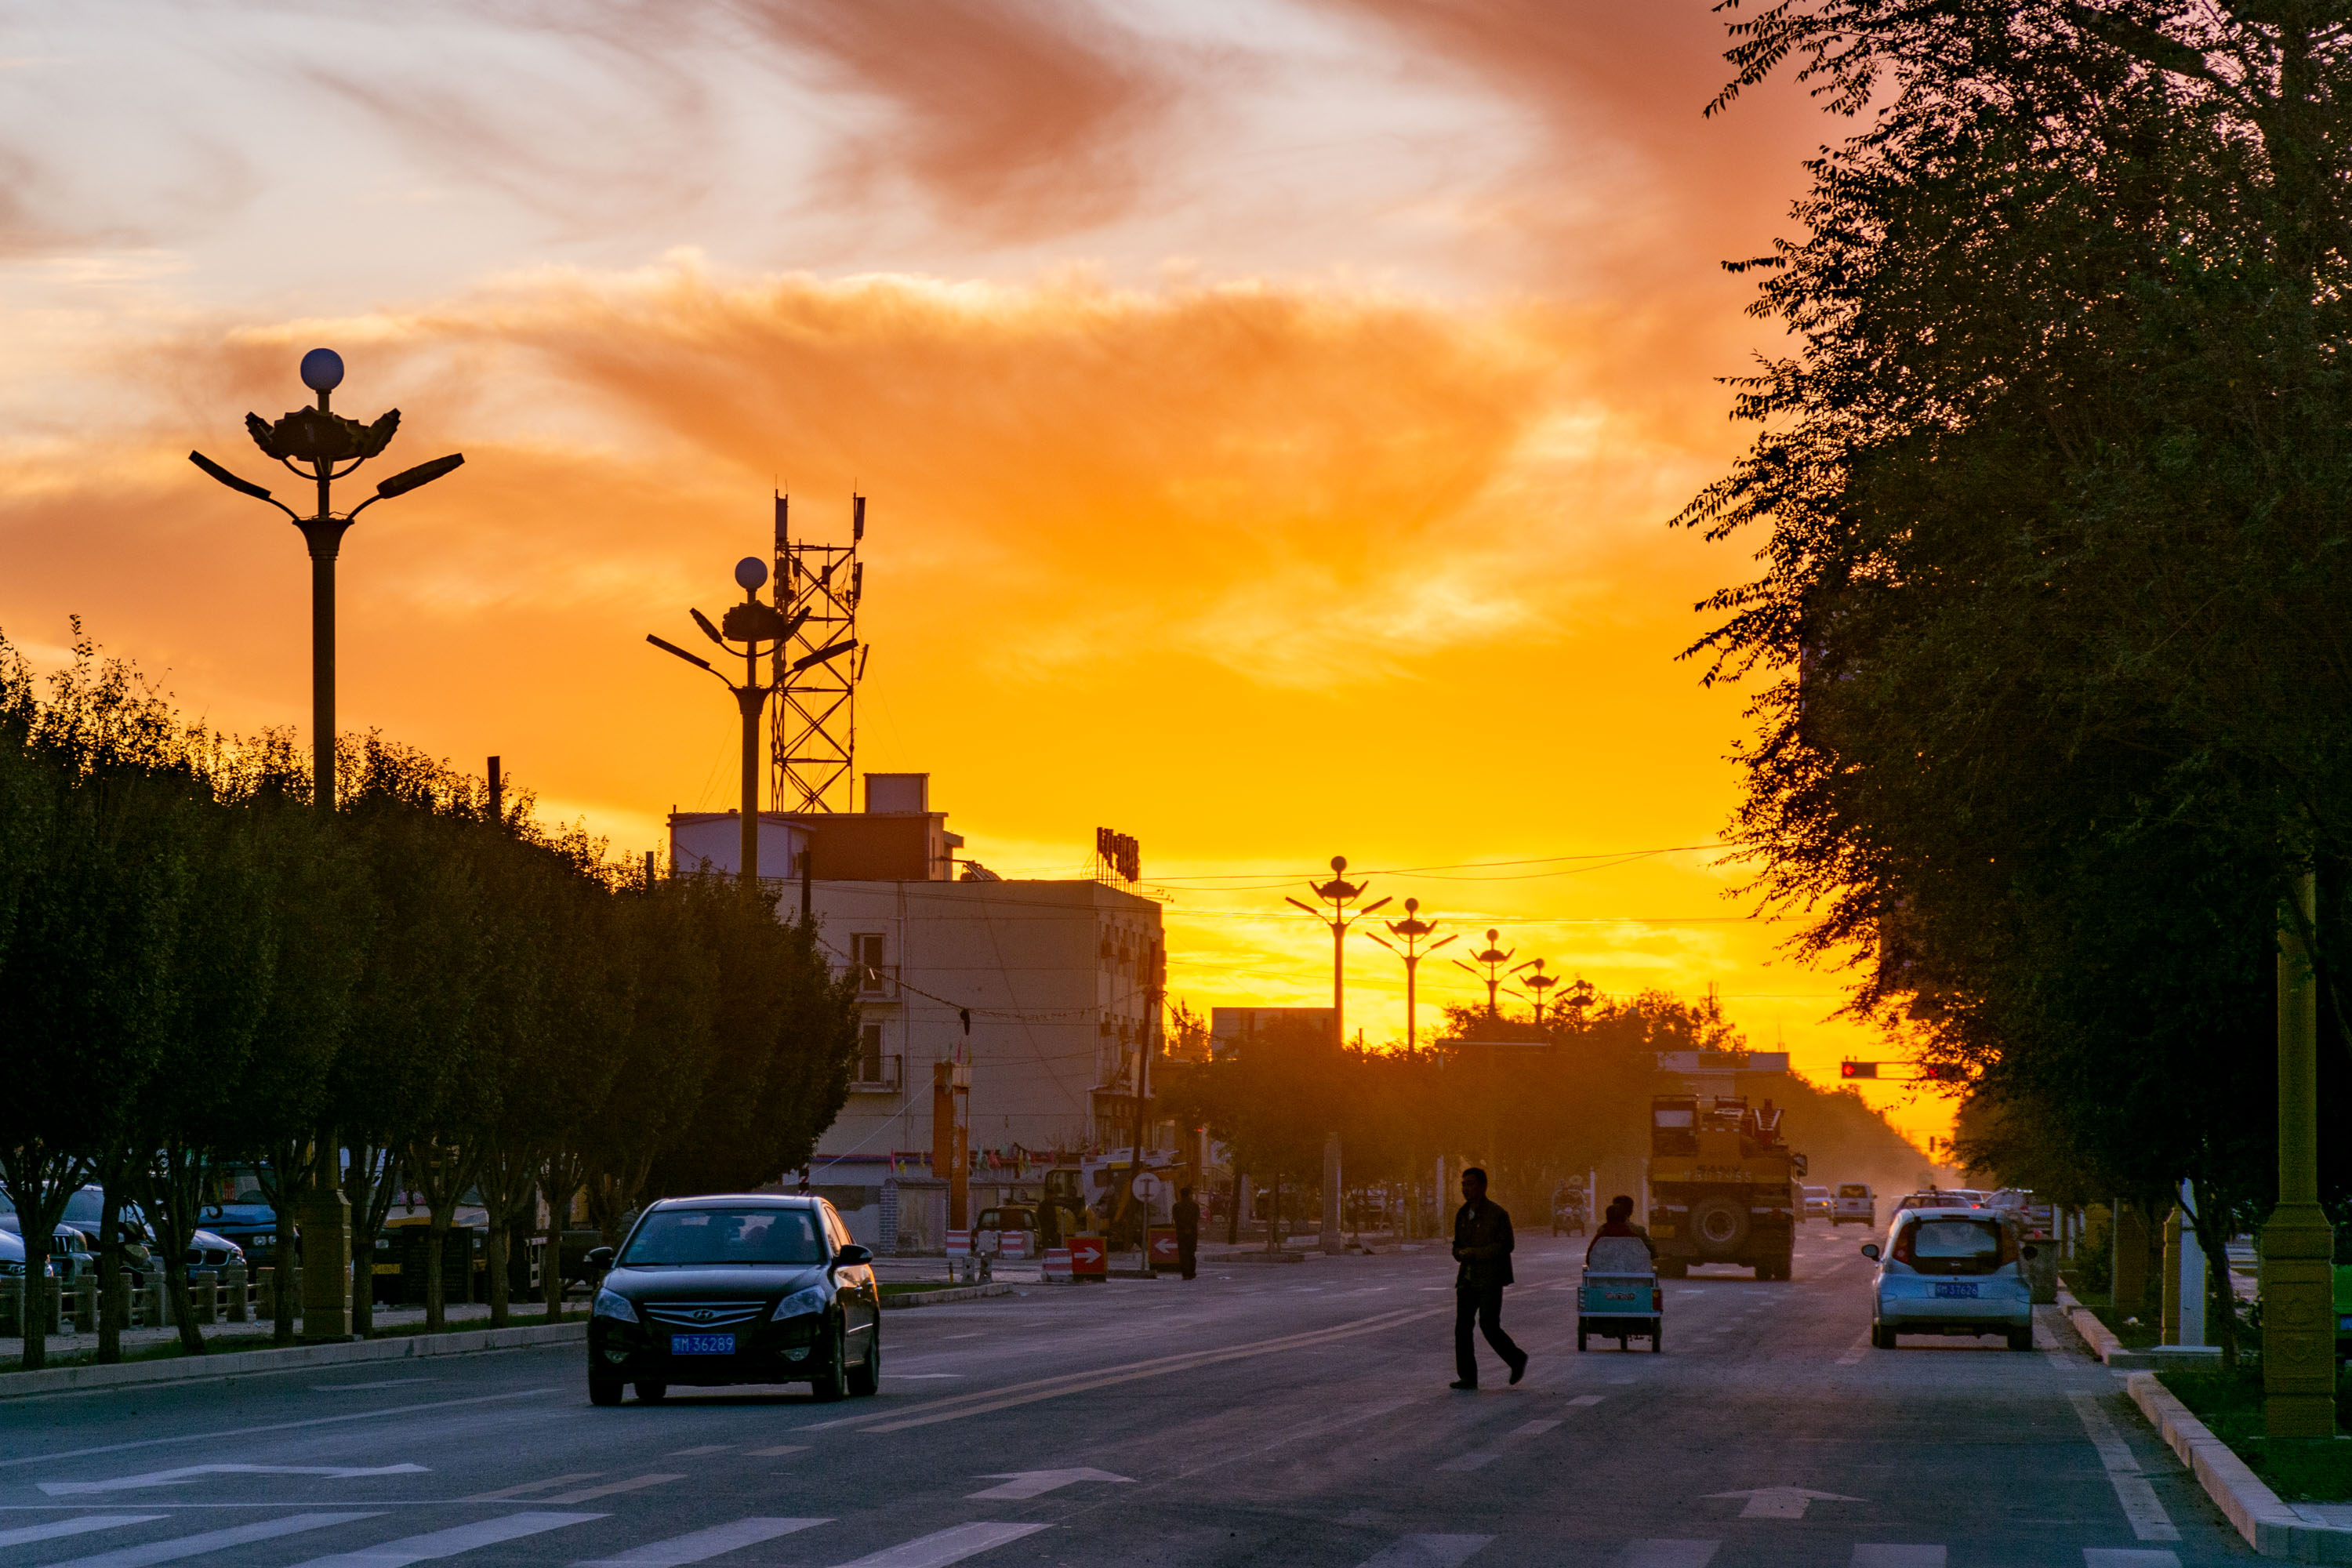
x=1857 y=1069
x=1943 y=1072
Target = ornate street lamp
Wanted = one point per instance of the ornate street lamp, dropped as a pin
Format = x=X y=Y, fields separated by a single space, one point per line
x=1410 y=930
x=321 y=446
x=1492 y=958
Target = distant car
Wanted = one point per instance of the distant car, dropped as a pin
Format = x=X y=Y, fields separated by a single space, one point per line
x=755 y=1287
x=988 y=1236
x=1940 y=1198
x=1853 y=1204
x=69 y=1254
x=1818 y=1205
x=250 y=1223
x=12 y=1256
x=205 y=1249
x=1952 y=1271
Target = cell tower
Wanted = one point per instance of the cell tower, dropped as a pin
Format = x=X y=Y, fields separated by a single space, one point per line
x=817 y=669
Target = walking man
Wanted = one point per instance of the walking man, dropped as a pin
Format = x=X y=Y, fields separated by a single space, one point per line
x=1482 y=1245
x=1187 y=1215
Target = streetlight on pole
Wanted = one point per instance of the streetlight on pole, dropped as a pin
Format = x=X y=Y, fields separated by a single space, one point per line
x=1339 y=892
x=319 y=439
x=1492 y=958
x=1539 y=982
x=1410 y=930
x=320 y=446
x=751 y=624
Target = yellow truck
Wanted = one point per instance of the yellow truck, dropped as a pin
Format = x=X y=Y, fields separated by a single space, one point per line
x=1723 y=1185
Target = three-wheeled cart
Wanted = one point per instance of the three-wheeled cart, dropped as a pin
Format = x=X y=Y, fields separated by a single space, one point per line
x=1619 y=1298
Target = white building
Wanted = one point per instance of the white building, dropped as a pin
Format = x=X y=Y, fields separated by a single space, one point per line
x=1046 y=991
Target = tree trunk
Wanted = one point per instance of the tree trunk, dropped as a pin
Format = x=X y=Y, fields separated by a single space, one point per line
x=111 y=1303
x=377 y=1184
x=282 y=1174
x=560 y=1177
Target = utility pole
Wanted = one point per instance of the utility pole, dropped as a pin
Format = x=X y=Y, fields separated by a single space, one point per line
x=1339 y=892
x=1410 y=930
x=2298 y=1244
x=1492 y=958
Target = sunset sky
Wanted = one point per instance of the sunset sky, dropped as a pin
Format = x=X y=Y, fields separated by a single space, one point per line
x=1271 y=412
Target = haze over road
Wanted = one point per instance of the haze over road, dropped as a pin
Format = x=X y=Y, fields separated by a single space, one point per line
x=1261 y=1414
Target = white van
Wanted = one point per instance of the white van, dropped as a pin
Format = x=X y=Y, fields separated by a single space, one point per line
x=1854 y=1203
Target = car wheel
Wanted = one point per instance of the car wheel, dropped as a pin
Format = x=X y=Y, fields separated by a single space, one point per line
x=866 y=1378
x=833 y=1383
x=603 y=1390
x=652 y=1392
x=1658 y=1337
x=1881 y=1337
x=2020 y=1339
x=1580 y=1341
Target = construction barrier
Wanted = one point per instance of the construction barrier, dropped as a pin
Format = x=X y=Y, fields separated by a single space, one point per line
x=1056 y=1271
x=1159 y=1247
x=959 y=1244
x=1089 y=1258
x=1013 y=1244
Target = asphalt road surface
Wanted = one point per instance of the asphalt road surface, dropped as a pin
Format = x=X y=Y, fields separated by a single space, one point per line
x=1261 y=1414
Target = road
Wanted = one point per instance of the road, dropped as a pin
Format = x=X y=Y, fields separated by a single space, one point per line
x=1261 y=1414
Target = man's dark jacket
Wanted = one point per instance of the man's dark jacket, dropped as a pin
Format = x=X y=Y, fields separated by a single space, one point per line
x=1482 y=1241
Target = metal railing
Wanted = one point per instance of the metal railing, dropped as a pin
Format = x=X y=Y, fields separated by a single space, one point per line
x=876 y=980
x=876 y=1075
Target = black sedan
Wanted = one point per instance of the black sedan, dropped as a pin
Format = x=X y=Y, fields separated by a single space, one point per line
x=754 y=1288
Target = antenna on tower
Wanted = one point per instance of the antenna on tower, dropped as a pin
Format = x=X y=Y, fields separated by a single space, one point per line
x=817 y=669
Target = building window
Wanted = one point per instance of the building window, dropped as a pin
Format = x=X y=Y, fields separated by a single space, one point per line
x=869 y=1054
x=868 y=952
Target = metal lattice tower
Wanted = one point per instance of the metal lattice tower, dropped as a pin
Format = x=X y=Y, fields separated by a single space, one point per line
x=815 y=725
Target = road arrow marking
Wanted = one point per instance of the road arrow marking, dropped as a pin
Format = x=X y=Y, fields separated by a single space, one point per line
x=1781 y=1502
x=1019 y=1484
x=188 y=1473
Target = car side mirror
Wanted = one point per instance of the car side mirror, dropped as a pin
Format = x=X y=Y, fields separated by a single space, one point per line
x=853 y=1254
x=1869 y=1250
x=600 y=1258
x=2028 y=1252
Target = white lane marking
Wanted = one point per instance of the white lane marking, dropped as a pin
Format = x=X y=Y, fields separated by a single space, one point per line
x=81 y=1526
x=590 y=1494
x=920 y=1376
x=1588 y=1399
x=1867 y=1556
x=1781 y=1502
x=2139 y=1500
x=778 y=1451
x=449 y=1543
x=188 y=1473
x=1428 y=1552
x=211 y=1541
x=1533 y=1429
x=550 y=1483
x=1019 y=1484
x=701 y=1544
x=1856 y=1351
x=272 y=1427
x=1667 y=1554
x=1468 y=1461
x=706 y=1449
x=2127 y=1557
x=942 y=1547
x=387 y=1383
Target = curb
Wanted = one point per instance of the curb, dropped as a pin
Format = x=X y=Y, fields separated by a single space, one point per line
x=2110 y=1350
x=286 y=1358
x=2268 y=1525
x=941 y=1298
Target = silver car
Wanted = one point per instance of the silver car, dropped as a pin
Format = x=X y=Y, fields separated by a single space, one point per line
x=1950 y=1271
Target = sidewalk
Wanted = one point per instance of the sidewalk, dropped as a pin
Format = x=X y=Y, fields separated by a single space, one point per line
x=71 y=1348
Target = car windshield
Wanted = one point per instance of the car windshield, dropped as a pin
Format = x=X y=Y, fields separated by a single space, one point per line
x=1953 y=1247
x=1850 y=1191
x=687 y=1236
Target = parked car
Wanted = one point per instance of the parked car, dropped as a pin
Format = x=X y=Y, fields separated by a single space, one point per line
x=1951 y=1271
x=988 y=1236
x=12 y=1256
x=250 y=1223
x=757 y=1288
x=1854 y=1204
x=69 y=1254
x=1817 y=1204
x=205 y=1249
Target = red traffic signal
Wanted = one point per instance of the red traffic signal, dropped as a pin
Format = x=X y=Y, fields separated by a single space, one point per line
x=1857 y=1069
x=1943 y=1072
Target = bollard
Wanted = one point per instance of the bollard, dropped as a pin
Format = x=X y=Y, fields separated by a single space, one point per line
x=152 y=1310
x=203 y=1296
x=233 y=1278
x=85 y=1307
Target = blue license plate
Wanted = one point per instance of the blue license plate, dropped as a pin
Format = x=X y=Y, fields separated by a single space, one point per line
x=1950 y=1289
x=702 y=1344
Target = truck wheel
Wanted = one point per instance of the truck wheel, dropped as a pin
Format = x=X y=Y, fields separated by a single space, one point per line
x=1674 y=1269
x=1719 y=1224
x=1658 y=1337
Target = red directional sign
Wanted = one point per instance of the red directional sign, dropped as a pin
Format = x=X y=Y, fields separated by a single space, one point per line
x=1088 y=1257
x=1162 y=1239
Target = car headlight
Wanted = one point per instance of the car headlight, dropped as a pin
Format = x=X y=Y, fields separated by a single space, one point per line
x=800 y=1303
x=613 y=1304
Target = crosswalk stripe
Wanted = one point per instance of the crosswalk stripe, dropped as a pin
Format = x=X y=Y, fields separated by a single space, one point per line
x=81 y=1526
x=1428 y=1552
x=1533 y=1429
x=449 y=1543
x=533 y=1486
x=2123 y=1557
x=1588 y=1399
x=1667 y=1554
x=1868 y=1556
x=778 y=1451
x=590 y=1494
x=212 y=1540
x=942 y=1547
x=1467 y=1461
x=679 y=1550
x=2139 y=1500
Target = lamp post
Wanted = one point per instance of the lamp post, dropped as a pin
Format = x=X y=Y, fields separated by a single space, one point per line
x=1491 y=958
x=1537 y=981
x=318 y=444
x=1410 y=930
x=1339 y=892
x=751 y=624
x=2298 y=1319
